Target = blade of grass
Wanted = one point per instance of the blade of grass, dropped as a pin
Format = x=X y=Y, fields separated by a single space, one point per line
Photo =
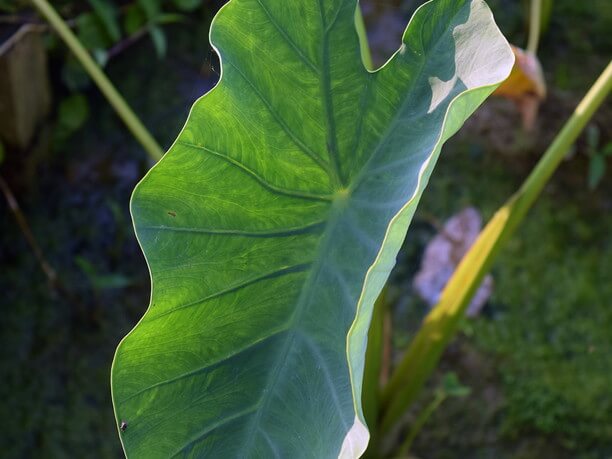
x=441 y=323
x=133 y=123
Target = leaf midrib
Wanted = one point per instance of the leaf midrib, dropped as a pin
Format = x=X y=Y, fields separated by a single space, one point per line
x=305 y=295
x=326 y=94
x=288 y=39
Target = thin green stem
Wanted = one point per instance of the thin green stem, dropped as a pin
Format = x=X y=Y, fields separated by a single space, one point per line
x=366 y=55
x=535 y=23
x=585 y=110
x=374 y=364
x=442 y=322
x=130 y=119
x=420 y=421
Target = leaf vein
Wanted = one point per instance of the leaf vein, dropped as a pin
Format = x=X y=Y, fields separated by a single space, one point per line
x=288 y=39
x=256 y=176
x=298 y=142
x=238 y=286
x=384 y=139
x=215 y=426
x=311 y=227
x=325 y=83
x=317 y=354
x=208 y=366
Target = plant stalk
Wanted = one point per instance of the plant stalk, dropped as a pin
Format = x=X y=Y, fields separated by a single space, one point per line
x=420 y=421
x=133 y=123
x=442 y=322
x=535 y=24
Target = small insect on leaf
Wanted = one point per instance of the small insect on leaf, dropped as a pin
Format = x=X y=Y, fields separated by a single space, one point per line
x=172 y=214
x=123 y=426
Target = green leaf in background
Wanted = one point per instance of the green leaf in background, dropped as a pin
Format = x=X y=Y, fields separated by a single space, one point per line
x=73 y=112
x=107 y=13
x=101 y=281
x=134 y=19
x=452 y=387
x=170 y=18
x=159 y=40
x=187 y=5
x=597 y=156
x=597 y=170
x=151 y=8
x=91 y=33
x=271 y=225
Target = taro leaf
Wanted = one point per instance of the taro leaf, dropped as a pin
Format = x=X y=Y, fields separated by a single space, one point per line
x=273 y=222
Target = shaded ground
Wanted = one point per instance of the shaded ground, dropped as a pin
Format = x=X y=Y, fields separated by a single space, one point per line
x=56 y=352
x=538 y=359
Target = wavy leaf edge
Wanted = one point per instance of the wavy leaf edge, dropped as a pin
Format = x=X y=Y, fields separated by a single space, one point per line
x=360 y=334
x=357 y=438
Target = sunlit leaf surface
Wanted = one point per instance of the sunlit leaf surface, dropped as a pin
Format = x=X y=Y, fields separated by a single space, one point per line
x=273 y=222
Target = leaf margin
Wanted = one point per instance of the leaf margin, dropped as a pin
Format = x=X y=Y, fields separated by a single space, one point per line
x=393 y=233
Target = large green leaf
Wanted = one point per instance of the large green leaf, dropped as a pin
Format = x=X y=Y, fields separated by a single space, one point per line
x=273 y=222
